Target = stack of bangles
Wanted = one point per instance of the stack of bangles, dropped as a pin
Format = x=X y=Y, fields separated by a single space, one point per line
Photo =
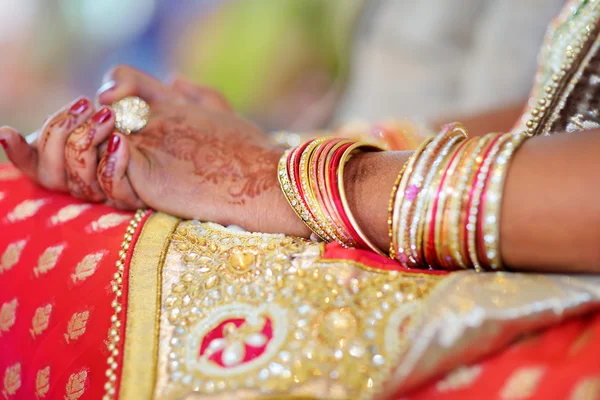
x=444 y=209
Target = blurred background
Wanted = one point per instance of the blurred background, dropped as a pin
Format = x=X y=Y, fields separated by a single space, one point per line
x=287 y=64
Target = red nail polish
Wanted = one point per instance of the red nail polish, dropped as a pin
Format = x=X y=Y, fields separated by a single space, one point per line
x=80 y=106
x=4 y=144
x=102 y=116
x=113 y=143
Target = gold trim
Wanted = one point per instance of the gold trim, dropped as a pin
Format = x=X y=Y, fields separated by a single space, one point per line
x=141 y=332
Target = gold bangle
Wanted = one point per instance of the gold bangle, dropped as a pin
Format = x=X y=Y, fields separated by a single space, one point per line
x=340 y=175
x=492 y=201
x=311 y=201
x=413 y=198
x=484 y=161
x=456 y=201
x=432 y=208
x=425 y=198
x=287 y=183
x=350 y=242
x=446 y=193
x=399 y=203
x=392 y=253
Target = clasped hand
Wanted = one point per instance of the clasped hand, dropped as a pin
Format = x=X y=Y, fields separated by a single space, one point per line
x=194 y=159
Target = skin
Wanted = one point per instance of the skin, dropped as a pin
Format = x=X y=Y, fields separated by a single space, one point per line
x=197 y=159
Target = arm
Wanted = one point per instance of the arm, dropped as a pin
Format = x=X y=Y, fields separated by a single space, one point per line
x=496 y=120
x=551 y=209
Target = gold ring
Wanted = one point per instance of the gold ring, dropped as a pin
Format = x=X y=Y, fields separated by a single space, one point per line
x=131 y=114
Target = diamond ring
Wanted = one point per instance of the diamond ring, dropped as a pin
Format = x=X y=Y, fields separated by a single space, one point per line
x=131 y=114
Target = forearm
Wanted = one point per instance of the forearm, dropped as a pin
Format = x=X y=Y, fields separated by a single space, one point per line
x=496 y=120
x=550 y=217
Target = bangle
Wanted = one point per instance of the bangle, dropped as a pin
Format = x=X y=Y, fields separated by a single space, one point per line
x=413 y=197
x=484 y=163
x=392 y=252
x=489 y=220
x=345 y=157
x=398 y=201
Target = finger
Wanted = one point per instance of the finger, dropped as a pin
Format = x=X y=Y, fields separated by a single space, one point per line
x=21 y=154
x=206 y=97
x=124 y=81
x=112 y=175
x=52 y=142
x=81 y=155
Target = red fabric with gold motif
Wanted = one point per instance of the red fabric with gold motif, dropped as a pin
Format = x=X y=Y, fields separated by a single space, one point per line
x=57 y=259
x=561 y=363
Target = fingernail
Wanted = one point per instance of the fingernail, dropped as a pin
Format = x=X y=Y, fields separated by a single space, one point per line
x=110 y=85
x=80 y=106
x=113 y=144
x=102 y=116
x=4 y=144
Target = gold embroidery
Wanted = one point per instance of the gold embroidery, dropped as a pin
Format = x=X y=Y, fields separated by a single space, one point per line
x=26 y=209
x=8 y=314
x=9 y=174
x=307 y=321
x=68 y=213
x=77 y=325
x=2 y=195
x=587 y=389
x=42 y=382
x=108 y=221
x=11 y=255
x=460 y=378
x=48 y=260
x=12 y=380
x=87 y=266
x=76 y=385
x=140 y=350
x=522 y=383
x=40 y=320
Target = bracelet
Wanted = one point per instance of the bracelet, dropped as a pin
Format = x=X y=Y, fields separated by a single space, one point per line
x=344 y=158
x=398 y=196
x=489 y=223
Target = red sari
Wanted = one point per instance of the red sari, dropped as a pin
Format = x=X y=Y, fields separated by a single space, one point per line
x=57 y=267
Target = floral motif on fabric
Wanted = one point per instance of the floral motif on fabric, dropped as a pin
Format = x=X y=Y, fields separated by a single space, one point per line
x=8 y=315
x=11 y=255
x=25 y=210
x=108 y=221
x=48 y=260
x=40 y=320
x=12 y=380
x=68 y=213
x=42 y=382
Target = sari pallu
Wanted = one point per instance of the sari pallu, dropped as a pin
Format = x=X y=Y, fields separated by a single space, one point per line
x=211 y=312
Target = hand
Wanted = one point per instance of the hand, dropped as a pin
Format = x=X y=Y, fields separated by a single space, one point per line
x=65 y=155
x=196 y=163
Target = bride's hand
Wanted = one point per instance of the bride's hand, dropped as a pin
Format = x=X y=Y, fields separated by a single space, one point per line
x=197 y=163
x=65 y=155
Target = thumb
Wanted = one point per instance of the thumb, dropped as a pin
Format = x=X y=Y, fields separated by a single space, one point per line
x=19 y=152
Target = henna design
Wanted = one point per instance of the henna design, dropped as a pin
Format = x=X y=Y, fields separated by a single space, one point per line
x=107 y=168
x=78 y=187
x=219 y=156
x=65 y=120
x=80 y=141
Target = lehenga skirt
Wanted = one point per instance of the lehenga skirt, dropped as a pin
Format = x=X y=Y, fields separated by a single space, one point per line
x=98 y=303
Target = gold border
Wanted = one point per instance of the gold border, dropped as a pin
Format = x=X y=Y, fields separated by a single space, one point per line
x=140 y=352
